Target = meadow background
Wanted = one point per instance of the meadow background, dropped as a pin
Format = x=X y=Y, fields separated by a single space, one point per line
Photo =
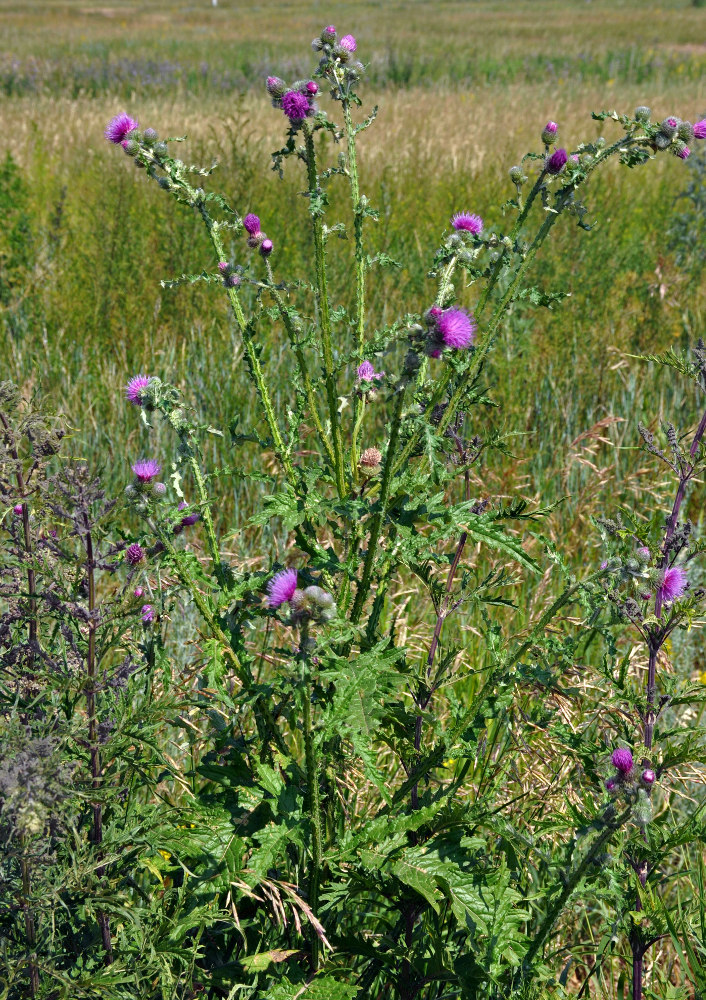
x=464 y=89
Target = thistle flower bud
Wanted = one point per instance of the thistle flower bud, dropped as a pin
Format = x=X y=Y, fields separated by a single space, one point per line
x=251 y=223
x=680 y=149
x=517 y=176
x=610 y=784
x=9 y=395
x=159 y=489
x=131 y=147
x=622 y=760
x=147 y=612
x=342 y=54
x=266 y=247
x=161 y=149
x=642 y=810
x=17 y=509
x=164 y=183
x=550 y=133
x=149 y=136
x=275 y=86
x=321 y=604
x=328 y=35
x=648 y=777
x=135 y=554
x=642 y=114
x=312 y=87
x=348 y=42
x=670 y=126
x=138 y=592
x=685 y=131
x=555 y=163
x=316 y=44
x=661 y=141
x=643 y=554
x=370 y=462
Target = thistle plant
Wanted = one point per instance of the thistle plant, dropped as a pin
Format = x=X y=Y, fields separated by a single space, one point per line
x=371 y=767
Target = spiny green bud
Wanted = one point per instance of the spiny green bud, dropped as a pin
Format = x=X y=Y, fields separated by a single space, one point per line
x=670 y=126
x=680 y=149
x=131 y=147
x=150 y=136
x=642 y=114
x=517 y=176
x=328 y=35
x=9 y=395
x=161 y=149
x=317 y=45
x=321 y=604
x=685 y=131
x=164 y=183
x=662 y=141
x=343 y=55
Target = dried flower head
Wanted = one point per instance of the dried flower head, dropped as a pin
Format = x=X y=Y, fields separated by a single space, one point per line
x=281 y=587
x=673 y=585
x=146 y=469
x=467 y=223
x=622 y=760
x=119 y=127
x=135 y=387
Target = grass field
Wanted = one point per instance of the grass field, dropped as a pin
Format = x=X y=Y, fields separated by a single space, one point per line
x=464 y=89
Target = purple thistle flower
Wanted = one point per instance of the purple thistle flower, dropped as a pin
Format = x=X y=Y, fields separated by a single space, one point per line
x=574 y=157
x=275 y=86
x=147 y=612
x=555 y=163
x=281 y=587
x=348 y=43
x=135 y=554
x=622 y=760
x=119 y=127
x=643 y=553
x=17 y=509
x=700 y=129
x=467 y=222
x=648 y=776
x=672 y=122
x=146 y=469
x=672 y=586
x=604 y=564
x=610 y=784
x=223 y=266
x=312 y=87
x=684 y=153
x=133 y=390
x=366 y=372
x=138 y=591
x=251 y=223
x=188 y=519
x=295 y=105
x=551 y=128
x=457 y=328
x=266 y=247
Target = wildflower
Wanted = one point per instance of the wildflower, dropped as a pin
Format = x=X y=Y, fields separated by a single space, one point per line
x=467 y=223
x=349 y=43
x=135 y=554
x=682 y=151
x=266 y=247
x=672 y=586
x=669 y=127
x=648 y=776
x=457 y=328
x=700 y=129
x=555 y=163
x=146 y=469
x=549 y=133
x=312 y=88
x=223 y=266
x=119 y=127
x=622 y=760
x=17 y=509
x=296 y=106
x=275 y=86
x=574 y=158
x=251 y=224
x=281 y=587
x=147 y=612
x=366 y=372
x=138 y=591
x=135 y=387
x=328 y=35
x=370 y=461
x=604 y=564
x=188 y=519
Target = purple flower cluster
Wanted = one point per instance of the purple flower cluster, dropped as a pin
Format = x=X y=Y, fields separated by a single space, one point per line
x=296 y=102
x=256 y=238
x=367 y=373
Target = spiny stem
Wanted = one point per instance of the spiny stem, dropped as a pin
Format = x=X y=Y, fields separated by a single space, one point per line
x=30 y=931
x=324 y=310
x=362 y=591
x=207 y=519
x=312 y=784
x=301 y=361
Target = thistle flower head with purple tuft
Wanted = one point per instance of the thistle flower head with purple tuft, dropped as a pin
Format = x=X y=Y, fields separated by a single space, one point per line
x=188 y=519
x=366 y=372
x=119 y=127
x=622 y=760
x=135 y=554
x=348 y=43
x=700 y=129
x=296 y=106
x=673 y=585
x=555 y=163
x=147 y=612
x=251 y=222
x=457 y=328
x=146 y=469
x=467 y=222
x=281 y=587
x=135 y=388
